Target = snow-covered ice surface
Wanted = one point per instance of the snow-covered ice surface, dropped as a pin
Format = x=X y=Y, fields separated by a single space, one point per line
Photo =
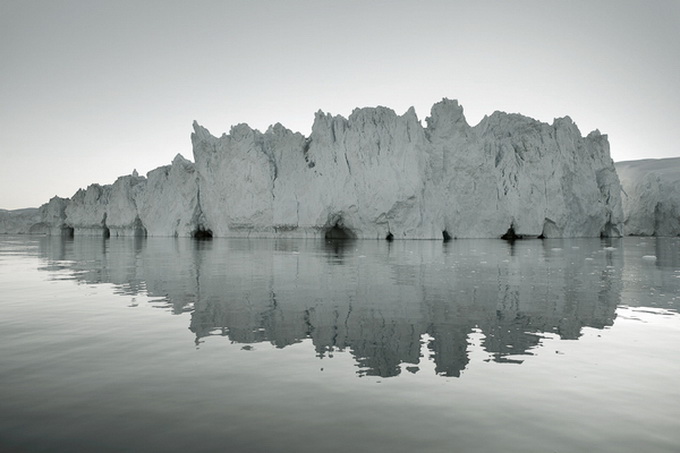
x=374 y=174
x=651 y=196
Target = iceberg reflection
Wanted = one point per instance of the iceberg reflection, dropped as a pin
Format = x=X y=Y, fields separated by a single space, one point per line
x=375 y=299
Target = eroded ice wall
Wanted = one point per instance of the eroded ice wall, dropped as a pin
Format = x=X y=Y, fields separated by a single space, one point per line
x=377 y=174
x=170 y=204
x=374 y=174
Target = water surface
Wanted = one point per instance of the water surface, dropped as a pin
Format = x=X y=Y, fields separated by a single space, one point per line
x=133 y=344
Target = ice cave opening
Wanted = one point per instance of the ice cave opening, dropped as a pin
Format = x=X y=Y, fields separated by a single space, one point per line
x=338 y=231
x=511 y=235
x=203 y=233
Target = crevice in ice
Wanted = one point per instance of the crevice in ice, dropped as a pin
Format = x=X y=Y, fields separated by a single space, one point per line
x=138 y=228
x=610 y=230
x=305 y=153
x=657 y=220
x=106 y=233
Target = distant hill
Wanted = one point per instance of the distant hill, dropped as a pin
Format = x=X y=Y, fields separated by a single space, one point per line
x=19 y=221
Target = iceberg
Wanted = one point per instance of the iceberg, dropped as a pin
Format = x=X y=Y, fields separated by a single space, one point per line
x=651 y=196
x=373 y=175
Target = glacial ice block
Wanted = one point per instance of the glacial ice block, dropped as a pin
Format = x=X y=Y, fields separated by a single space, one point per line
x=373 y=175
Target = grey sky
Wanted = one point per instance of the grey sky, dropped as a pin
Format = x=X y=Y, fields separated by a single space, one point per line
x=91 y=90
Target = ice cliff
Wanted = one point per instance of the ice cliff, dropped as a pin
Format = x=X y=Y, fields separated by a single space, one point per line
x=651 y=196
x=374 y=174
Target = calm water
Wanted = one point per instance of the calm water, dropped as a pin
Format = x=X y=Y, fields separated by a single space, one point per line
x=305 y=346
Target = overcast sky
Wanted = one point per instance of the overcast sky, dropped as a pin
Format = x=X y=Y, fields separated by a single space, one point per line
x=90 y=90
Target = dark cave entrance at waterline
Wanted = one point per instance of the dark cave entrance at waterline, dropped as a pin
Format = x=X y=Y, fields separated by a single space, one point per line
x=339 y=232
x=511 y=235
x=203 y=233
